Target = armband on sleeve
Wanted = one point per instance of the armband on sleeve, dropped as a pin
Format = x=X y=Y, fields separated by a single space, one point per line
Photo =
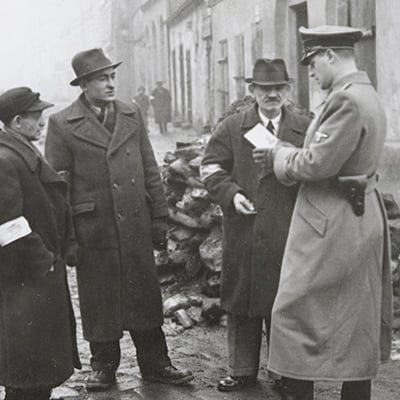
x=13 y=230
x=210 y=169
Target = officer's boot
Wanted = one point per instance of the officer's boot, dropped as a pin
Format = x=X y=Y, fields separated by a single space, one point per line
x=294 y=389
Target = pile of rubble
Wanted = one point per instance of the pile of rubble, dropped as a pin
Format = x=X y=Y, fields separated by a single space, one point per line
x=195 y=236
x=195 y=233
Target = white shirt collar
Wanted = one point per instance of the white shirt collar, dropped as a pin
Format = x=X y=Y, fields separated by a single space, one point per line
x=275 y=121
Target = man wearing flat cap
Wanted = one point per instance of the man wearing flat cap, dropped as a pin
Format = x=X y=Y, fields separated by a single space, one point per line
x=257 y=210
x=331 y=318
x=37 y=328
x=119 y=214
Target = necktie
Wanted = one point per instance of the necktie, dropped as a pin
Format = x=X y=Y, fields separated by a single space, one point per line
x=270 y=127
x=102 y=114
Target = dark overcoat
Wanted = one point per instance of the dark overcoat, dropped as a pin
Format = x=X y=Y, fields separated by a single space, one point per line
x=37 y=328
x=116 y=191
x=332 y=315
x=253 y=245
x=161 y=103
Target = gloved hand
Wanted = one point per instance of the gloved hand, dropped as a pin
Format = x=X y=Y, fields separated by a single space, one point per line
x=159 y=230
x=72 y=254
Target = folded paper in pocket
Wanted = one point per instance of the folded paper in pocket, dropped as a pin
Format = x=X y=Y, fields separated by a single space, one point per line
x=260 y=137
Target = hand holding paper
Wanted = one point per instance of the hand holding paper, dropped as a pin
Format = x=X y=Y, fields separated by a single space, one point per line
x=260 y=137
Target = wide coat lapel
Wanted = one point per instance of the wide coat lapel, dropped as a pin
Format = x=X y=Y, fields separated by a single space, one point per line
x=85 y=125
x=126 y=123
x=290 y=129
x=250 y=120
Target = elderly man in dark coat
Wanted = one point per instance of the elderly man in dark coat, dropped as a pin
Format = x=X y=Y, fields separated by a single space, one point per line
x=119 y=212
x=161 y=102
x=257 y=212
x=37 y=329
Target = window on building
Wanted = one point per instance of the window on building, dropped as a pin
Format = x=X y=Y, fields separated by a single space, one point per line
x=361 y=14
x=163 y=74
x=174 y=82
x=298 y=18
x=239 y=66
x=256 y=41
x=189 y=86
x=224 y=76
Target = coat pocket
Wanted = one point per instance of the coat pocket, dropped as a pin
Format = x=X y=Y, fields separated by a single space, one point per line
x=93 y=228
x=314 y=217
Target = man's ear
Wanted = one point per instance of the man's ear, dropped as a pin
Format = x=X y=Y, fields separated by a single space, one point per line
x=251 y=88
x=331 y=55
x=16 y=121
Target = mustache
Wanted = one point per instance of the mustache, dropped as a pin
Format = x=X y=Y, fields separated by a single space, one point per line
x=272 y=98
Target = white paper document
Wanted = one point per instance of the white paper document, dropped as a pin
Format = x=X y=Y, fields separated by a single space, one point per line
x=260 y=137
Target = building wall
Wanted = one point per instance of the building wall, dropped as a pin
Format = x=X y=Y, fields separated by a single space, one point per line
x=188 y=65
x=388 y=61
x=388 y=77
x=150 y=44
x=230 y=19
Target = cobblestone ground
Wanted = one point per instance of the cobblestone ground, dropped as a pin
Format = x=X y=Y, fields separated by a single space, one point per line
x=203 y=350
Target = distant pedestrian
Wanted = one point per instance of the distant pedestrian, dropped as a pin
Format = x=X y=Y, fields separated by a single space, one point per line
x=143 y=101
x=37 y=327
x=120 y=215
x=161 y=102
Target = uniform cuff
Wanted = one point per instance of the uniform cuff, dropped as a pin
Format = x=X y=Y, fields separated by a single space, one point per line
x=281 y=164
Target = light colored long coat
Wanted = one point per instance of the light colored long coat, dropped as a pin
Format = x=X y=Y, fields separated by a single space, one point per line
x=116 y=192
x=333 y=306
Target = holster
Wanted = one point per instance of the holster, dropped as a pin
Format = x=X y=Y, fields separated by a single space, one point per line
x=353 y=187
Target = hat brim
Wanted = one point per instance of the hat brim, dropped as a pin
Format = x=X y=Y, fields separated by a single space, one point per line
x=75 y=82
x=269 y=83
x=305 y=60
x=39 y=105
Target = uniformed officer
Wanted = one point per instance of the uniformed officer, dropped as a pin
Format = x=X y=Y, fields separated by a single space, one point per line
x=333 y=307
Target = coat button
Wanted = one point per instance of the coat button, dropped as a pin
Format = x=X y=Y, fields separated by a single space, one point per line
x=115 y=185
x=128 y=152
x=119 y=215
x=133 y=181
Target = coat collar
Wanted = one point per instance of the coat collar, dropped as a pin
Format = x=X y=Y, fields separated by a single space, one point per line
x=30 y=155
x=86 y=126
x=360 y=77
x=288 y=126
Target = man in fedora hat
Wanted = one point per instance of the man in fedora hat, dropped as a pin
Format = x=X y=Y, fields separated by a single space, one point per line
x=331 y=319
x=257 y=211
x=161 y=102
x=119 y=214
x=37 y=328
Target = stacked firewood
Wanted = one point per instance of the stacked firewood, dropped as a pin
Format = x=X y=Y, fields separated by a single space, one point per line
x=195 y=237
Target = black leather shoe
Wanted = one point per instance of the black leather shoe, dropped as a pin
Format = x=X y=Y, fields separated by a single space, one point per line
x=169 y=375
x=100 y=380
x=232 y=383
